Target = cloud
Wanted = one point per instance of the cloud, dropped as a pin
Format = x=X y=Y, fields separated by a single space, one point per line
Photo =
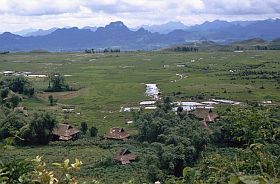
x=224 y=7
x=21 y=14
x=244 y=7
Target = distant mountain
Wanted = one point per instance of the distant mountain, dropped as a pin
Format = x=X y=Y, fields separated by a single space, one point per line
x=206 y=45
x=165 y=28
x=25 y=31
x=215 y=25
x=254 y=41
x=243 y=23
x=117 y=34
x=40 y=32
x=90 y=28
x=223 y=31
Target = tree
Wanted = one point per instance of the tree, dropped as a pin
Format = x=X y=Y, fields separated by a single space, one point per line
x=180 y=109
x=241 y=127
x=14 y=101
x=178 y=138
x=11 y=125
x=166 y=105
x=4 y=93
x=84 y=128
x=88 y=51
x=29 y=91
x=57 y=83
x=51 y=100
x=93 y=131
x=17 y=84
x=21 y=85
x=39 y=130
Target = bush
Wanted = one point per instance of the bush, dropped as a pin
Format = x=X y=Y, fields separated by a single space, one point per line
x=15 y=171
x=51 y=100
x=93 y=131
x=4 y=93
x=21 y=85
x=39 y=130
x=57 y=84
x=10 y=125
x=177 y=139
x=241 y=127
x=84 y=128
x=14 y=101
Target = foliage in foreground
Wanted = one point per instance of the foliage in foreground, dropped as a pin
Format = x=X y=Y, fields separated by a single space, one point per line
x=251 y=164
x=36 y=172
x=244 y=126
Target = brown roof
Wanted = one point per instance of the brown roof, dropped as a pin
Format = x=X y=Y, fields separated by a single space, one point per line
x=117 y=133
x=65 y=132
x=205 y=114
x=124 y=156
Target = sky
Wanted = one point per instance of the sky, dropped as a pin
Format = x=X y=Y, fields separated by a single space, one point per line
x=17 y=15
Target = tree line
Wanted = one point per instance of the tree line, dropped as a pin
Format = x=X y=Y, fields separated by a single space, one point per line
x=106 y=50
x=185 y=49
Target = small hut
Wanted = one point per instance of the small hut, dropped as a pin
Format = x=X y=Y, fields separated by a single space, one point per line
x=206 y=115
x=65 y=132
x=68 y=108
x=117 y=134
x=124 y=156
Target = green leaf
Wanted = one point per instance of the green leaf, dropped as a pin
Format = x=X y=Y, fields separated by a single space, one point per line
x=234 y=180
x=186 y=171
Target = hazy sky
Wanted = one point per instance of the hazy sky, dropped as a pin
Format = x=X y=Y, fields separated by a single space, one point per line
x=22 y=14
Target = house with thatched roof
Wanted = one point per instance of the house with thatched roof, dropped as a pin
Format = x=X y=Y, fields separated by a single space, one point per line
x=65 y=132
x=117 y=134
x=206 y=115
x=124 y=156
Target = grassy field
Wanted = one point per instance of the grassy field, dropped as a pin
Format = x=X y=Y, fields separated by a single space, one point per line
x=106 y=82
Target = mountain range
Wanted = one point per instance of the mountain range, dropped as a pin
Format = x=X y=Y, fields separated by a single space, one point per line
x=117 y=34
x=251 y=44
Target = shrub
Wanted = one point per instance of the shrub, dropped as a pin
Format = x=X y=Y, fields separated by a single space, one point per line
x=10 y=125
x=39 y=130
x=241 y=127
x=84 y=128
x=93 y=131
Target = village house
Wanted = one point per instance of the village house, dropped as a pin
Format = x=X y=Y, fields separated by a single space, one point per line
x=124 y=156
x=68 y=108
x=9 y=73
x=205 y=115
x=65 y=132
x=117 y=134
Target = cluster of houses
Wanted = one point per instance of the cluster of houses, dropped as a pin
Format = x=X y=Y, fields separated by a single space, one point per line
x=66 y=132
x=25 y=74
x=153 y=92
x=202 y=111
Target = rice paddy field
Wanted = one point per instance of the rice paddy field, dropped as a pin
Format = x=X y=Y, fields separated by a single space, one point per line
x=107 y=82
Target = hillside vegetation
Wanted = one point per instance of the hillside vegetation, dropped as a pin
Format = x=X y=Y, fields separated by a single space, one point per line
x=251 y=44
x=241 y=146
